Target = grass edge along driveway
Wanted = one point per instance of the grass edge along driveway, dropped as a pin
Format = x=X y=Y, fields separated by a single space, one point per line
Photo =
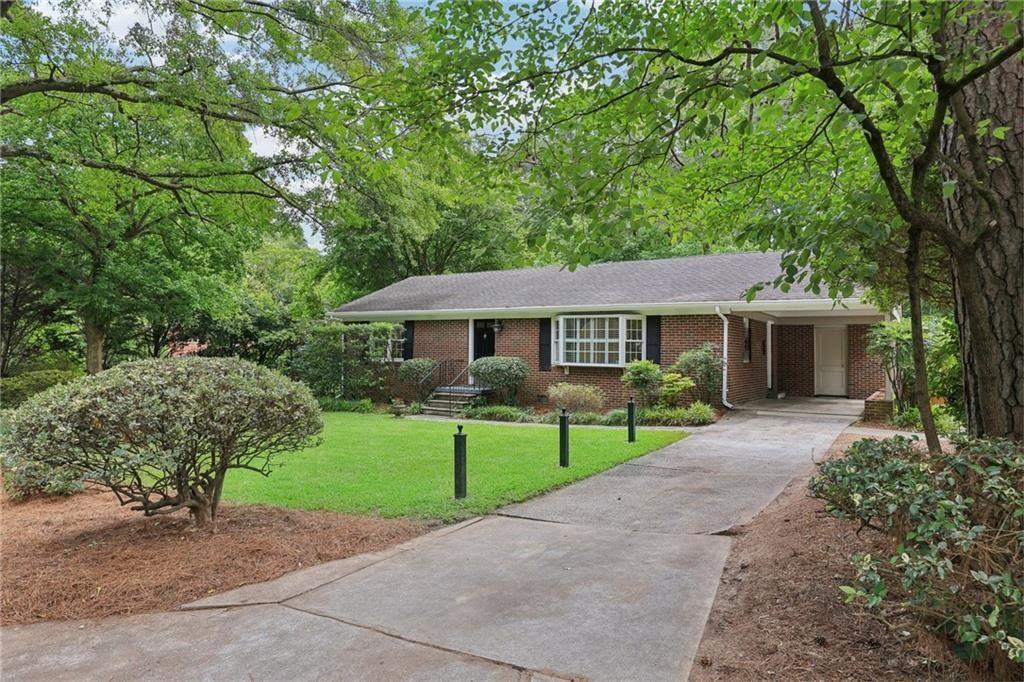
x=377 y=464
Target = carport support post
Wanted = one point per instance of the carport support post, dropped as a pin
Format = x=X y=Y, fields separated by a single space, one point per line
x=631 y=420
x=563 y=438
x=460 y=464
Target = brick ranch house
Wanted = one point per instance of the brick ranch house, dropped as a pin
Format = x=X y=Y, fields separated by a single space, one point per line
x=584 y=326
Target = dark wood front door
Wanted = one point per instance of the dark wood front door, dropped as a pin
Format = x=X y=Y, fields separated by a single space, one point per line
x=483 y=338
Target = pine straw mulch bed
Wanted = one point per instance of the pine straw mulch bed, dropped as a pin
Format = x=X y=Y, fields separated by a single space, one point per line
x=85 y=557
x=779 y=614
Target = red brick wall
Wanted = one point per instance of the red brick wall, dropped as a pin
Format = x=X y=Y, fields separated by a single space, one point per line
x=680 y=333
x=747 y=380
x=795 y=348
x=792 y=348
x=441 y=339
x=864 y=374
x=521 y=339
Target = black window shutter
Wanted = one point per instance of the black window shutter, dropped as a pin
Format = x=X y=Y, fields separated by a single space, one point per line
x=410 y=329
x=654 y=338
x=545 y=343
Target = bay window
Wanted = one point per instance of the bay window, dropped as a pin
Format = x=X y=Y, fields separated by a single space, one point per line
x=599 y=340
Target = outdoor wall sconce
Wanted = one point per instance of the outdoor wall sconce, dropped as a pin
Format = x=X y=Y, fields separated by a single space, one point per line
x=497 y=326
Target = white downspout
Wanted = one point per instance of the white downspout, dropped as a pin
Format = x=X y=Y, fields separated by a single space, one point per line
x=725 y=357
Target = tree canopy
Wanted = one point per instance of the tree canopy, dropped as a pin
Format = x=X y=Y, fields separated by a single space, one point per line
x=828 y=130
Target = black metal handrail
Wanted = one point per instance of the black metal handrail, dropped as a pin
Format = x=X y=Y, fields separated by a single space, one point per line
x=445 y=373
x=452 y=390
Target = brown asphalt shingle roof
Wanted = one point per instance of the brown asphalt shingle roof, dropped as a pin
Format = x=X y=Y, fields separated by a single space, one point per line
x=691 y=279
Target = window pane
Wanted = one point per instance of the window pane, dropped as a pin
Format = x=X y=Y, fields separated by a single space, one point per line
x=613 y=356
x=585 y=355
x=570 y=351
x=634 y=351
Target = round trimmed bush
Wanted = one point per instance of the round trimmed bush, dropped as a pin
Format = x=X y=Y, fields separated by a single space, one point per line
x=416 y=370
x=162 y=434
x=504 y=375
x=576 y=397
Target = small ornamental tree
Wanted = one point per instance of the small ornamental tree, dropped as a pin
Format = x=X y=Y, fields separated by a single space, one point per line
x=163 y=434
x=703 y=365
x=645 y=378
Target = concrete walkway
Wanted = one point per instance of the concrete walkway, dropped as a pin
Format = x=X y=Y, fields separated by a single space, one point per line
x=610 y=578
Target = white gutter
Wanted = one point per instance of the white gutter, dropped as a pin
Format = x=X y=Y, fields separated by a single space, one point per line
x=725 y=357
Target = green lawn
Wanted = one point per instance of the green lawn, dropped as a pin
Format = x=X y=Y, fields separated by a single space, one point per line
x=377 y=464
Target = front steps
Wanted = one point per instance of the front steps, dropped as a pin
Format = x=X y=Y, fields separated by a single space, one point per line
x=451 y=401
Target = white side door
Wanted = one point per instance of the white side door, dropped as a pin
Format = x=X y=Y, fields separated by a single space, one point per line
x=830 y=361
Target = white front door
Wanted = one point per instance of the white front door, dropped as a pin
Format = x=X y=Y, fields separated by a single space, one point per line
x=830 y=360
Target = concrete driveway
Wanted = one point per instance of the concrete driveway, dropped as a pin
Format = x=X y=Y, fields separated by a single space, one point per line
x=610 y=578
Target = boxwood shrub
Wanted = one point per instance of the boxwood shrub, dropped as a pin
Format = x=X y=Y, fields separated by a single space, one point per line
x=504 y=375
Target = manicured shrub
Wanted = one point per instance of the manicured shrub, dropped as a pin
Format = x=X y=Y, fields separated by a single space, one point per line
x=163 y=434
x=19 y=388
x=344 y=360
x=645 y=378
x=955 y=519
x=414 y=371
x=500 y=413
x=364 y=406
x=704 y=366
x=675 y=389
x=503 y=375
x=699 y=414
x=576 y=397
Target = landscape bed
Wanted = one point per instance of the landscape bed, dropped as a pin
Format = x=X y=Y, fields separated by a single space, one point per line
x=779 y=612
x=83 y=556
x=386 y=466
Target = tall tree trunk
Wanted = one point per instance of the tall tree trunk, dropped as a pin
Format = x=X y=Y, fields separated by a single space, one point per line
x=95 y=336
x=921 y=395
x=988 y=277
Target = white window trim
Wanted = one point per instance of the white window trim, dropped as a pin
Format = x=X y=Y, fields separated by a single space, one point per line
x=558 y=340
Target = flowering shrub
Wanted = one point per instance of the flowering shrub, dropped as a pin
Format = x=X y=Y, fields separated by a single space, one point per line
x=956 y=519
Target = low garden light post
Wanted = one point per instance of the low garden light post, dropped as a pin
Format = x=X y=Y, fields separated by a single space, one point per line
x=460 y=464
x=631 y=420
x=563 y=438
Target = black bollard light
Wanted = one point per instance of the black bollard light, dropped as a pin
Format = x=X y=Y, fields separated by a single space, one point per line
x=563 y=438
x=631 y=420
x=460 y=464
